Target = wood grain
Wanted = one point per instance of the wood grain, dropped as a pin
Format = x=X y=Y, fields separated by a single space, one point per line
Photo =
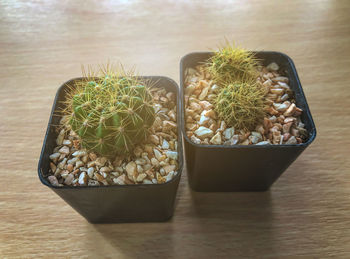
x=42 y=44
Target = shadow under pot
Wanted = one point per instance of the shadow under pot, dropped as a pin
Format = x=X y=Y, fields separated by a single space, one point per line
x=236 y=167
x=115 y=203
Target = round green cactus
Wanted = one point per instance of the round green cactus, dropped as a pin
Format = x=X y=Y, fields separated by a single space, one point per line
x=241 y=104
x=231 y=63
x=111 y=113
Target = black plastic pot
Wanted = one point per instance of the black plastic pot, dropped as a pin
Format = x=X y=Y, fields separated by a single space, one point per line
x=219 y=168
x=116 y=203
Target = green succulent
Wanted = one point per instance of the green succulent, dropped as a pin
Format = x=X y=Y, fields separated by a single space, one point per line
x=111 y=112
x=231 y=63
x=241 y=104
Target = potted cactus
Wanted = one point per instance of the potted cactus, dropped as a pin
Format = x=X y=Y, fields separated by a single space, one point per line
x=112 y=148
x=245 y=118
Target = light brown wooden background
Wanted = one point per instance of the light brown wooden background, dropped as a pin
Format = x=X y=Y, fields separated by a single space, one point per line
x=42 y=44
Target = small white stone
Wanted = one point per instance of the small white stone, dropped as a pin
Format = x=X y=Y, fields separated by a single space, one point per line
x=62 y=163
x=60 y=137
x=281 y=107
x=165 y=144
x=69 y=179
x=131 y=169
x=292 y=141
x=53 y=180
x=141 y=177
x=255 y=137
x=171 y=154
x=232 y=141
x=90 y=172
x=64 y=150
x=195 y=140
x=273 y=66
x=79 y=164
x=154 y=161
x=55 y=156
x=228 y=133
x=290 y=111
x=67 y=142
x=72 y=161
x=140 y=161
x=154 y=180
x=169 y=176
x=203 y=120
x=203 y=132
x=79 y=153
x=204 y=93
x=277 y=91
x=157 y=154
x=120 y=180
x=105 y=169
x=139 y=169
x=82 y=178
x=216 y=140
x=146 y=181
x=169 y=168
x=263 y=143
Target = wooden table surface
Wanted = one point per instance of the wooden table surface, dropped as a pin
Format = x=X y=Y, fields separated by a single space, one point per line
x=43 y=44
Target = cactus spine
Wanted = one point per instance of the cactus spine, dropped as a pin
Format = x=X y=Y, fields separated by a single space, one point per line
x=240 y=99
x=111 y=112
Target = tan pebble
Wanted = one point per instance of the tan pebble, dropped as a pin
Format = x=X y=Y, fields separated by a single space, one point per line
x=131 y=170
x=69 y=179
x=76 y=171
x=189 y=133
x=210 y=114
x=195 y=107
x=172 y=115
x=168 y=126
x=204 y=93
x=290 y=111
x=195 y=140
x=205 y=105
x=92 y=156
x=271 y=110
x=245 y=142
x=154 y=139
x=141 y=177
x=277 y=91
x=160 y=178
x=281 y=79
x=120 y=180
x=64 y=150
x=105 y=169
x=76 y=143
x=267 y=124
x=60 y=137
x=286 y=127
x=169 y=168
x=70 y=167
x=52 y=167
x=99 y=177
x=216 y=139
x=286 y=136
x=53 y=180
x=85 y=159
x=213 y=127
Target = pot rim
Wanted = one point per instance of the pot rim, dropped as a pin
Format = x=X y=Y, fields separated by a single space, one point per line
x=104 y=187
x=312 y=135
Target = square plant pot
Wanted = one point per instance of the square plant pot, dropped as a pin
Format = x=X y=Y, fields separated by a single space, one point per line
x=220 y=168
x=115 y=203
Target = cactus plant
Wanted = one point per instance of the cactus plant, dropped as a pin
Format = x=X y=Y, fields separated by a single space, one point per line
x=241 y=104
x=231 y=63
x=111 y=112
